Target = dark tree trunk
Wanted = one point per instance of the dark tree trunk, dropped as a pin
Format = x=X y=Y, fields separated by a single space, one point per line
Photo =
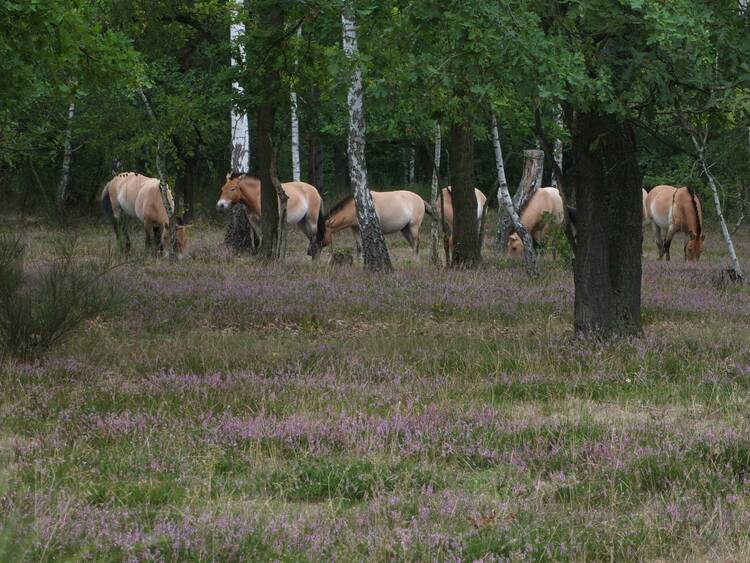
x=342 y=184
x=185 y=184
x=467 y=252
x=269 y=205
x=607 y=181
x=315 y=162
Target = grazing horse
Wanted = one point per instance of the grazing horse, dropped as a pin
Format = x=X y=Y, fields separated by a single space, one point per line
x=401 y=210
x=544 y=200
x=646 y=218
x=676 y=210
x=444 y=207
x=134 y=195
x=304 y=207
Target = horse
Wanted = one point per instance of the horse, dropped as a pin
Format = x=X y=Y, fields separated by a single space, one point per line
x=676 y=210
x=444 y=206
x=646 y=218
x=544 y=200
x=398 y=211
x=133 y=195
x=304 y=207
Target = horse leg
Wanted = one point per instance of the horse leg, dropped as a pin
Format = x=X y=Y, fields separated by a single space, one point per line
x=409 y=236
x=357 y=243
x=659 y=240
x=668 y=239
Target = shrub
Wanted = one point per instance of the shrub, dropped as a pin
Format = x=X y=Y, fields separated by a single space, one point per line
x=41 y=307
x=555 y=240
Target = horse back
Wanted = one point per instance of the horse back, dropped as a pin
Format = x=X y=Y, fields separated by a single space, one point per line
x=149 y=207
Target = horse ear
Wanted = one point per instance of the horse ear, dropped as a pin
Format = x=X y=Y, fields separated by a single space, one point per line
x=229 y=176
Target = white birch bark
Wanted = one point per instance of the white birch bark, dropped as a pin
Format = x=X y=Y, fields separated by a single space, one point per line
x=434 y=256
x=163 y=185
x=558 y=148
x=504 y=200
x=700 y=148
x=62 y=186
x=412 y=164
x=239 y=123
x=374 y=250
x=296 y=170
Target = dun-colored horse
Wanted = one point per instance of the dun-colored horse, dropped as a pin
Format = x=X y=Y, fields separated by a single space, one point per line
x=399 y=211
x=675 y=210
x=134 y=195
x=304 y=207
x=444 y=207
x=544 y=200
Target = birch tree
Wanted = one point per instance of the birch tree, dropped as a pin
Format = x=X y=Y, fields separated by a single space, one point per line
x=239 y=123
x=699 y=142
x=163 y=185
x=374 y=249
x=62 y=186
x=558 y=148
x=434 y=191
x=296 y=172
x=505 y=202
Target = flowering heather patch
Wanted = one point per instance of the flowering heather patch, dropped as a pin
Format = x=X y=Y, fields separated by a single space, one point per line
x=233 y=411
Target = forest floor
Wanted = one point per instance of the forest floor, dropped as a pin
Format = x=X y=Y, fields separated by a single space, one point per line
x=227 y=410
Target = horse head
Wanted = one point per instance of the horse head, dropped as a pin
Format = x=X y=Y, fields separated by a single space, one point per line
x=694 y=247
x=515 y=245
x=230 y=193
x=182 y=236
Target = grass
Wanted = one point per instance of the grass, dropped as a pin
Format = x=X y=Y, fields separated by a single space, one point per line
x=231 y=411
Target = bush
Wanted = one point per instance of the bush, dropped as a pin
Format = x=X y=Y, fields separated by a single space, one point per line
x=42 y=307
x=555 y=240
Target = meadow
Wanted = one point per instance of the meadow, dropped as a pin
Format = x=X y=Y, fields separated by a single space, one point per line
x=226 y=410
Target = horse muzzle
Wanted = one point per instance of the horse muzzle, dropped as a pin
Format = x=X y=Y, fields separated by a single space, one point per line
x=222 y=205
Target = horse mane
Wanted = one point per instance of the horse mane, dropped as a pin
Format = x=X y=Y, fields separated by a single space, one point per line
x=241 y=175
x=340 y=205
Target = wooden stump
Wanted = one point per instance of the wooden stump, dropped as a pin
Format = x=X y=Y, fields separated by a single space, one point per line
x=531 y=181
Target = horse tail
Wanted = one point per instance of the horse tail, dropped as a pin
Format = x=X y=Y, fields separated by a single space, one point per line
x=572 y=215
x=428 y=208
x=321 y=230
x=107 y=203
x=694 y=201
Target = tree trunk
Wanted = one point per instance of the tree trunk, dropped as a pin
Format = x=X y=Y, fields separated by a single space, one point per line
x=62 y=186
x=186 y=182
x=342 y=181
x=700 y=148
x=434 y=256
x=374 y=250
x=607 y=271
x=239 y=123
x=163 y=185
x=315 y=162
x=504 y=201
x=467 y=252
x=531 y=181
x=558 y=150
x=296 y=170
x=412 y=164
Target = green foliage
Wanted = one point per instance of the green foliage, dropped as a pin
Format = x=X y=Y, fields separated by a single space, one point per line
x=43 y=307
x=555 y=240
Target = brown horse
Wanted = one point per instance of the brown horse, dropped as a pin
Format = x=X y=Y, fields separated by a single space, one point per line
x=676 y=210
x=544 y=200
x=444 y=207
x=134 y=195
x=398 y=211
x=304 y=207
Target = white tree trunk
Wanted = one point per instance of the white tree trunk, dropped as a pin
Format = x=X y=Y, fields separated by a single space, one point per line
x=296 y=172
x=700 y=148
x=504 y=200
x=62 y=186
x=374 y=250
x=239 y=123
x=434 y=256
x=558 y=150
x=163 y=185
